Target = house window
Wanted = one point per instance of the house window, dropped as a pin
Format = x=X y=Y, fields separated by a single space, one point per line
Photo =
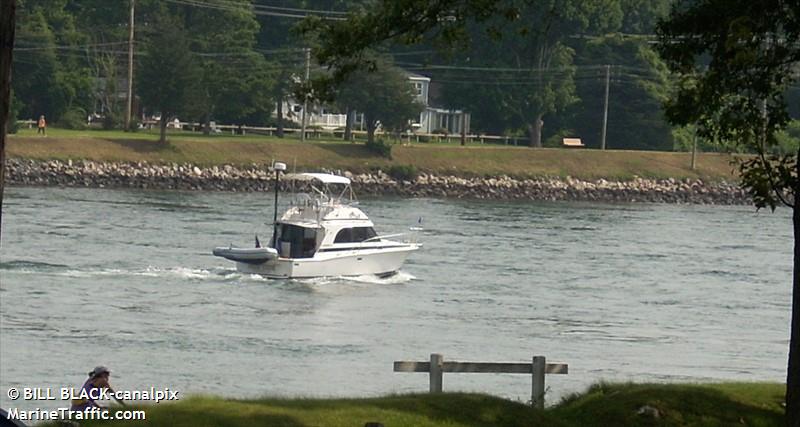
x=418 y=87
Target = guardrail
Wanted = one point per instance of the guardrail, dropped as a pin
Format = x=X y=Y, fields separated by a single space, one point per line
x=437 y=366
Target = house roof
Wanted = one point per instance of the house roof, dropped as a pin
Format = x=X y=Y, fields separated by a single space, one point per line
x=415 y=76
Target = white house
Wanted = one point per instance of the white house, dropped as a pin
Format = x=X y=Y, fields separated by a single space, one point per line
x=431 y=119
x=435 y=119
x=317 y=115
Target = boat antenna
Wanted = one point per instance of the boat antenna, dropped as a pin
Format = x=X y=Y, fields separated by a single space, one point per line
x=277 y=167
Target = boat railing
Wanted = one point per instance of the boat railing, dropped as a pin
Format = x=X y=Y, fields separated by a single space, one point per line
x=412 y=236
x=320 y=198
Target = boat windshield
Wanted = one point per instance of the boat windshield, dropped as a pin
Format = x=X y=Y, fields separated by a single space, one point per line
x=294 y=241
x=354 y=234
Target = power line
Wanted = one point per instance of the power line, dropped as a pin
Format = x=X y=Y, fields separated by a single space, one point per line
x=236 y=7
x=292 y=9
x=497 y=69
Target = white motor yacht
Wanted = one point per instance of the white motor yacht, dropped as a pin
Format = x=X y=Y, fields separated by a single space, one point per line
x=323 y=234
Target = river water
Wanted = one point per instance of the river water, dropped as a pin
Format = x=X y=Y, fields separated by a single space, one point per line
x=633 y=292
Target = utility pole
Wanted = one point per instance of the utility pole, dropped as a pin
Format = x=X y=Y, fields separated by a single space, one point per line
x=305 y=95
x=605 y=109
x=130 y=69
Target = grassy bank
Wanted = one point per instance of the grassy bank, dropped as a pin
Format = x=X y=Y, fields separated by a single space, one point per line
x=602 y=405
x=437 y=158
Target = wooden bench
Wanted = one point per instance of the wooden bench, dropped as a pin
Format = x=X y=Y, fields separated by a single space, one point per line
x=572 y=142
x=437 y=366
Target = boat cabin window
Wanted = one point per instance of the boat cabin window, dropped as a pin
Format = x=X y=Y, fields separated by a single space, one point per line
x=354 y=234
x=296 y=242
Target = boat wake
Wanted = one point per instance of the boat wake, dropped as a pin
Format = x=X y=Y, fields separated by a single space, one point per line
x=219 y=274
x=40 y=268
x=366 y=279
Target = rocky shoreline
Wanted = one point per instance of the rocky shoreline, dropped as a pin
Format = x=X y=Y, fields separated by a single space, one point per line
x=258 y=179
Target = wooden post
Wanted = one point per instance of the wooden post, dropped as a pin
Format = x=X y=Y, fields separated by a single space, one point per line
x=537 y=394
x=436 y=373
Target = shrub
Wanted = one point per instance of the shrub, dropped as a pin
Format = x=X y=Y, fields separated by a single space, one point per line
x=556 y=140
x=381 y=148
x=403 y=172
x=134 y=125
x=73 y=118
x=112 y=121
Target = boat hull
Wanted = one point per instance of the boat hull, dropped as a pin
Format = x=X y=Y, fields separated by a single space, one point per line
x=381 y=262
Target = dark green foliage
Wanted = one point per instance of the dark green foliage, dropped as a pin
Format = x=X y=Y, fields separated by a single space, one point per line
x=112 y=120
x=74 y=118
x=523 y=67
x=234 y=84
x=639 y=83
x=12 y=126
x=403 y=172
x=70 y=53
x=788 y=140
x=47 y=78
x=168 y=72
x=380 y=147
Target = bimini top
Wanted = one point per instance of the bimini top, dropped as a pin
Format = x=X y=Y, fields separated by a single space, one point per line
x=325 y=178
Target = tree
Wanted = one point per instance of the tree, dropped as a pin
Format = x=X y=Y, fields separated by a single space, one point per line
x=234 y=81
x=641 y=16
x=48 y=56
x=384 y=95
x=167 y=73
x=735 y=59
x=639 y=83
x=533 y=34
x=7 y=16
x=533 y=76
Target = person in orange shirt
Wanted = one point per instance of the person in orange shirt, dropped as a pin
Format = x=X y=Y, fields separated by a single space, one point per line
x=42 y=126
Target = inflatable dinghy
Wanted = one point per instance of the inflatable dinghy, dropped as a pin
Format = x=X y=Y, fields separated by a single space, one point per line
x=246 y=255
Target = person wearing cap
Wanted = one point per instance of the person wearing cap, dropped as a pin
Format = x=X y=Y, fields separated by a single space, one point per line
x=98 y=380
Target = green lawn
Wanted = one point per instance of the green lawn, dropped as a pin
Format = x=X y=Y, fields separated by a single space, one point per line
x=729 y=404
x=315 y=154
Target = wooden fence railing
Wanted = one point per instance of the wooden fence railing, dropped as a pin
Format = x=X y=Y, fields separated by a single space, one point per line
x=437 y=366
x=333 y=133
x=339 y=133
